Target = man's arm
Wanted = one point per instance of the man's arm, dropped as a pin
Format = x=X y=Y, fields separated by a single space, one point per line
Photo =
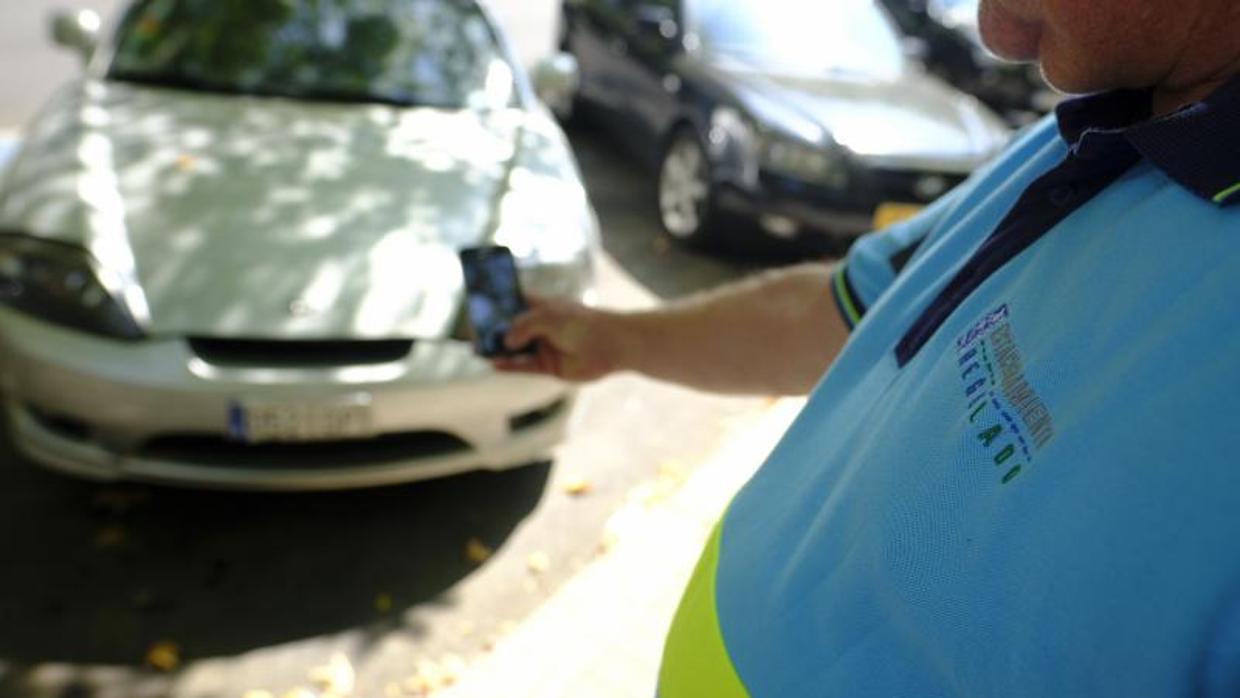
x=774 y=333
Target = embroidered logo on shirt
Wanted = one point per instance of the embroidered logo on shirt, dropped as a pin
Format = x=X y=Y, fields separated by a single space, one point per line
x=1011 y=421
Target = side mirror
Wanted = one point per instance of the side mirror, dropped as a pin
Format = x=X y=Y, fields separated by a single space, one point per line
x=915 y=48
x=657 y=21
x=556 y=80
x=78 y=31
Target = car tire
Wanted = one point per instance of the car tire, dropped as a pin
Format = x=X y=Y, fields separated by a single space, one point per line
x=685 y=190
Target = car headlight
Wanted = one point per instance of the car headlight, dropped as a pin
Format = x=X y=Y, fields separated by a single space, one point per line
x=806 y=161
x=58 y=283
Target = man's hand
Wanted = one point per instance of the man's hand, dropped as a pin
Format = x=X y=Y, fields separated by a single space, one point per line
x=773 y=334
x=571 y=341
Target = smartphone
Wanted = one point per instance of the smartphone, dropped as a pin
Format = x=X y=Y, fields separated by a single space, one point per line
x=493 y=297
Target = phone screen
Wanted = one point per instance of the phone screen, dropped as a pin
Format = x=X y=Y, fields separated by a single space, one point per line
x=494 y=298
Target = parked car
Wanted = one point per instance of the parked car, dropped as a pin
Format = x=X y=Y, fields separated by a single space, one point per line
x=804 y=116
x=229 y=252
x=951 y=47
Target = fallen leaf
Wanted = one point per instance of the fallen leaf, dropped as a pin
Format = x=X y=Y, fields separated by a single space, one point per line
x=673 y=469
x=577 y=485
x=336 y=677
x=118 y=500
x=477 y=552
x=415 y=685
x=431 y=674
x=538 y=562
x=454 y=668
x=110 y=537
x=383 y=603
x=607 y=543
x=164 y=656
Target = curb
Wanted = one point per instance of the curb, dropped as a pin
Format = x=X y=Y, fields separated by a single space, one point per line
x=601 y=634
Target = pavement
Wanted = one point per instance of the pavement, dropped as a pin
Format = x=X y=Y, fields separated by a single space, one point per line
x=601 y=634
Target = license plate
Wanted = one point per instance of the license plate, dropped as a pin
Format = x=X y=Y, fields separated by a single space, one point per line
x=893 y=212
x=300 y=421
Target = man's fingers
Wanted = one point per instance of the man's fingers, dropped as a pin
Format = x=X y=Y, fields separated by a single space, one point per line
x=535 y=323
x=524 y=364
x=544 y=361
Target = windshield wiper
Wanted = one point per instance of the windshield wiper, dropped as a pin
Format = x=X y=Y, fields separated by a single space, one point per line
x=192 y=84
x=351 y=97
x=172 y=81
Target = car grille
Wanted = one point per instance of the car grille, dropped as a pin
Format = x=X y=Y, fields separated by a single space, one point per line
x=868 y=188
x=257 y=353
x=209 y=449
x=910 y=185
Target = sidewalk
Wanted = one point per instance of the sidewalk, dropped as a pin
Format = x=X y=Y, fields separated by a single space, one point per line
x=601 y=635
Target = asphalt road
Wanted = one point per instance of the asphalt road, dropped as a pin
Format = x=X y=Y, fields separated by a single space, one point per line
x=258 y=589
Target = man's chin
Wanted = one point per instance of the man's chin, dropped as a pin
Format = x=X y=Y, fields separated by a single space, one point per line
x=1008 y=36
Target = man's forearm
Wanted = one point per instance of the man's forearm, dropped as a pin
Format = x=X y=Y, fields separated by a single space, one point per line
x=774 y=333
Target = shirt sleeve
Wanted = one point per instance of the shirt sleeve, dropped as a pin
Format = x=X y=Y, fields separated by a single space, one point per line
x=1220 y=668
x=876 y=259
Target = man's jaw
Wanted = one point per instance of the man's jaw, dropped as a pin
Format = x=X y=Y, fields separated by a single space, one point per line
x=1008 y=34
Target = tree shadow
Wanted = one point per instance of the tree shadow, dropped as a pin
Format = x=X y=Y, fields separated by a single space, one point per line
x=102 y=572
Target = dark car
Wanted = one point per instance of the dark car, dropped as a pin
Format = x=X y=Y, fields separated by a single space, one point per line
x=803 y=116
x=951 y=47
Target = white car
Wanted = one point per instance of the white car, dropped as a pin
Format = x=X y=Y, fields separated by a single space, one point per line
x=228 y=254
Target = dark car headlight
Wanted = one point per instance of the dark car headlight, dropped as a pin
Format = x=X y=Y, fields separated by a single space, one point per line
x=58 y=283
x=817 y=163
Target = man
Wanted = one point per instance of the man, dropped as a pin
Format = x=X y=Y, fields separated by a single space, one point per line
x=1019 y=475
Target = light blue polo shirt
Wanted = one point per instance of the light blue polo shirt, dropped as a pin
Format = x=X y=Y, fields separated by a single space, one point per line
x=1021 y=477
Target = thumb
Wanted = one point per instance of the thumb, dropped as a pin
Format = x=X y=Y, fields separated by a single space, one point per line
x=539 y=322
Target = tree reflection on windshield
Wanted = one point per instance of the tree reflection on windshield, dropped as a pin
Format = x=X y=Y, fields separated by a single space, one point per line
x=439 y=52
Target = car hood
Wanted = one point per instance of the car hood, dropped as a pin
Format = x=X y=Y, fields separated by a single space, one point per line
x=254 y=217
x=912 y=121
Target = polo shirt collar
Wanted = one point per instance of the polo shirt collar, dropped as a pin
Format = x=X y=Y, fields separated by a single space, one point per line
x=1198 y=146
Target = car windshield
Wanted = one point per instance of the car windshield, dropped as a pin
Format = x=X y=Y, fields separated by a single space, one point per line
x=955 y=13
x=404 y=52
x=815 y=38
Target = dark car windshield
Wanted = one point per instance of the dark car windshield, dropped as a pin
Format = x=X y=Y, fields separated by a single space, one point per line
x=407 y=52
x=807 y=38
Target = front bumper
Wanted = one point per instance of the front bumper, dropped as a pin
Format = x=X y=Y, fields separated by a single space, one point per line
x=776 y=200
x=156 y=411
x=774 y=212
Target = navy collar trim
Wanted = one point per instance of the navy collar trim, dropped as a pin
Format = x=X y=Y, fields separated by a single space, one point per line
x=1198 y=146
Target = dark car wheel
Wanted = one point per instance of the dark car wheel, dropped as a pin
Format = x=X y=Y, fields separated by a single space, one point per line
x=685 y=196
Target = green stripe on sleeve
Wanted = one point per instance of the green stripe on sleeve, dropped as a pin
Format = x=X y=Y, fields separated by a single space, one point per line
x=1226 y=193
x=695 y=659
x=846 y=300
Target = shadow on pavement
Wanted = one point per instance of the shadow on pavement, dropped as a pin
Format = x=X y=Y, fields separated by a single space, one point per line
x=95 y=574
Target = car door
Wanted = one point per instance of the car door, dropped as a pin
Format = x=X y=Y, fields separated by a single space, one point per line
x=654 y=46
x=595 y=35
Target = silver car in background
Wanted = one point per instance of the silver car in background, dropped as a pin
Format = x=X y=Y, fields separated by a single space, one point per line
x=228 y=255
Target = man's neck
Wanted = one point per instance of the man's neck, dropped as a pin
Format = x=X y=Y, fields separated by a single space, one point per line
x=1213 y=59
x=1166 y=101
